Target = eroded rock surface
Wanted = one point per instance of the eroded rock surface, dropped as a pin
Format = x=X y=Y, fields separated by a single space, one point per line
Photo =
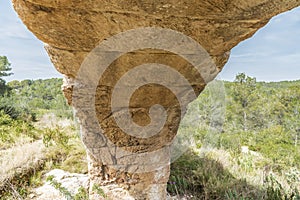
x=70 y=182
x=71 y=29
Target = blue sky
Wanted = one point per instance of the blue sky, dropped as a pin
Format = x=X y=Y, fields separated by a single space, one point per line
x=273 y=54
x=25 y=52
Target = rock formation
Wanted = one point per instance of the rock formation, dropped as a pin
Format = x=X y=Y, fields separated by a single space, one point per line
x=71 y=182
x=71 y=29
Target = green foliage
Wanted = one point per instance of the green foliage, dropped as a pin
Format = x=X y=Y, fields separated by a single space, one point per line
x=4 y=71
x=96 y=188
x=265 y=118
x=82 y=193
x=40 y=96
x=4 y=67
x=67 y=194
x=55 y=136
x=28 y=98
x=275 y=190
x=204 y=178
x=70 y=157
x=25 y=99
x=15 y=131
x=15 y=111
x=5 y=119
x=4 y=89
x=64 y=144
x=36 y=180
x=261 y=116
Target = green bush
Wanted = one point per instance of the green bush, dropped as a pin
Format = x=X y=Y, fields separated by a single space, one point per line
x=5 y=119
x=12 y=131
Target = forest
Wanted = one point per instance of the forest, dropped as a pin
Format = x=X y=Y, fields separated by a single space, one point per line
x=254 y=153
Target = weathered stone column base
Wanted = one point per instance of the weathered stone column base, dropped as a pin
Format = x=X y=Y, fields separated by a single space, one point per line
x=108 y=183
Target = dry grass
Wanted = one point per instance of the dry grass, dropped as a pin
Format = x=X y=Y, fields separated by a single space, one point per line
x=20 y=159
x=243 y=166
x=248 y=166
x=51 y=121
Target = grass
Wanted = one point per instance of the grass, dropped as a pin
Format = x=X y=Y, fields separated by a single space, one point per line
x=18 y=165
x=223 y=172
x=216 y=174
x=25 y=159
x=65 y=145
x=16 y=133
x=20 y=156
x=198 y=174
x=204 y=178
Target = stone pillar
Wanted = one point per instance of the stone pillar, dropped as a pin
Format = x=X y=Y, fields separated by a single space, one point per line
x=127 y=160
x=123 y=162
x=123 y=185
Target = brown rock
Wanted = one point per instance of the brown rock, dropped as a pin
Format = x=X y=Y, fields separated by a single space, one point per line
x=125 y=165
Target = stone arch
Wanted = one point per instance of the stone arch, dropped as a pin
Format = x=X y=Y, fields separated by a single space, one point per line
x=71 y=29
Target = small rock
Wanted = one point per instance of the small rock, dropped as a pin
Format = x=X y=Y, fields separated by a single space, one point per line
x=71 y=181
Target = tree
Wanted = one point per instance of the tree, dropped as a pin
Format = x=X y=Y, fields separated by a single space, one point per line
x=4 y=67
x=3 y=87
x=244 y=95
x=290 y=98
x=4 y=71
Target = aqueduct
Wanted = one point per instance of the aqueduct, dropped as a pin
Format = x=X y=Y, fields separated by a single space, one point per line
x=126 y=160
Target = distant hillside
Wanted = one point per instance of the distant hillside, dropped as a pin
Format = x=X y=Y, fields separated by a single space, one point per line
x=36 y=97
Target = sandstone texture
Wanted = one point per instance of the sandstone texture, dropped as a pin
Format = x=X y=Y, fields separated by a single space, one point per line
x=125 y=165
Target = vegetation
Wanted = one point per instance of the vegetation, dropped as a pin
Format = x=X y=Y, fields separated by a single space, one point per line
x=4 y=71
x=24 y=102
x=24 y=131
x=256 y=155
x=39 y=96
